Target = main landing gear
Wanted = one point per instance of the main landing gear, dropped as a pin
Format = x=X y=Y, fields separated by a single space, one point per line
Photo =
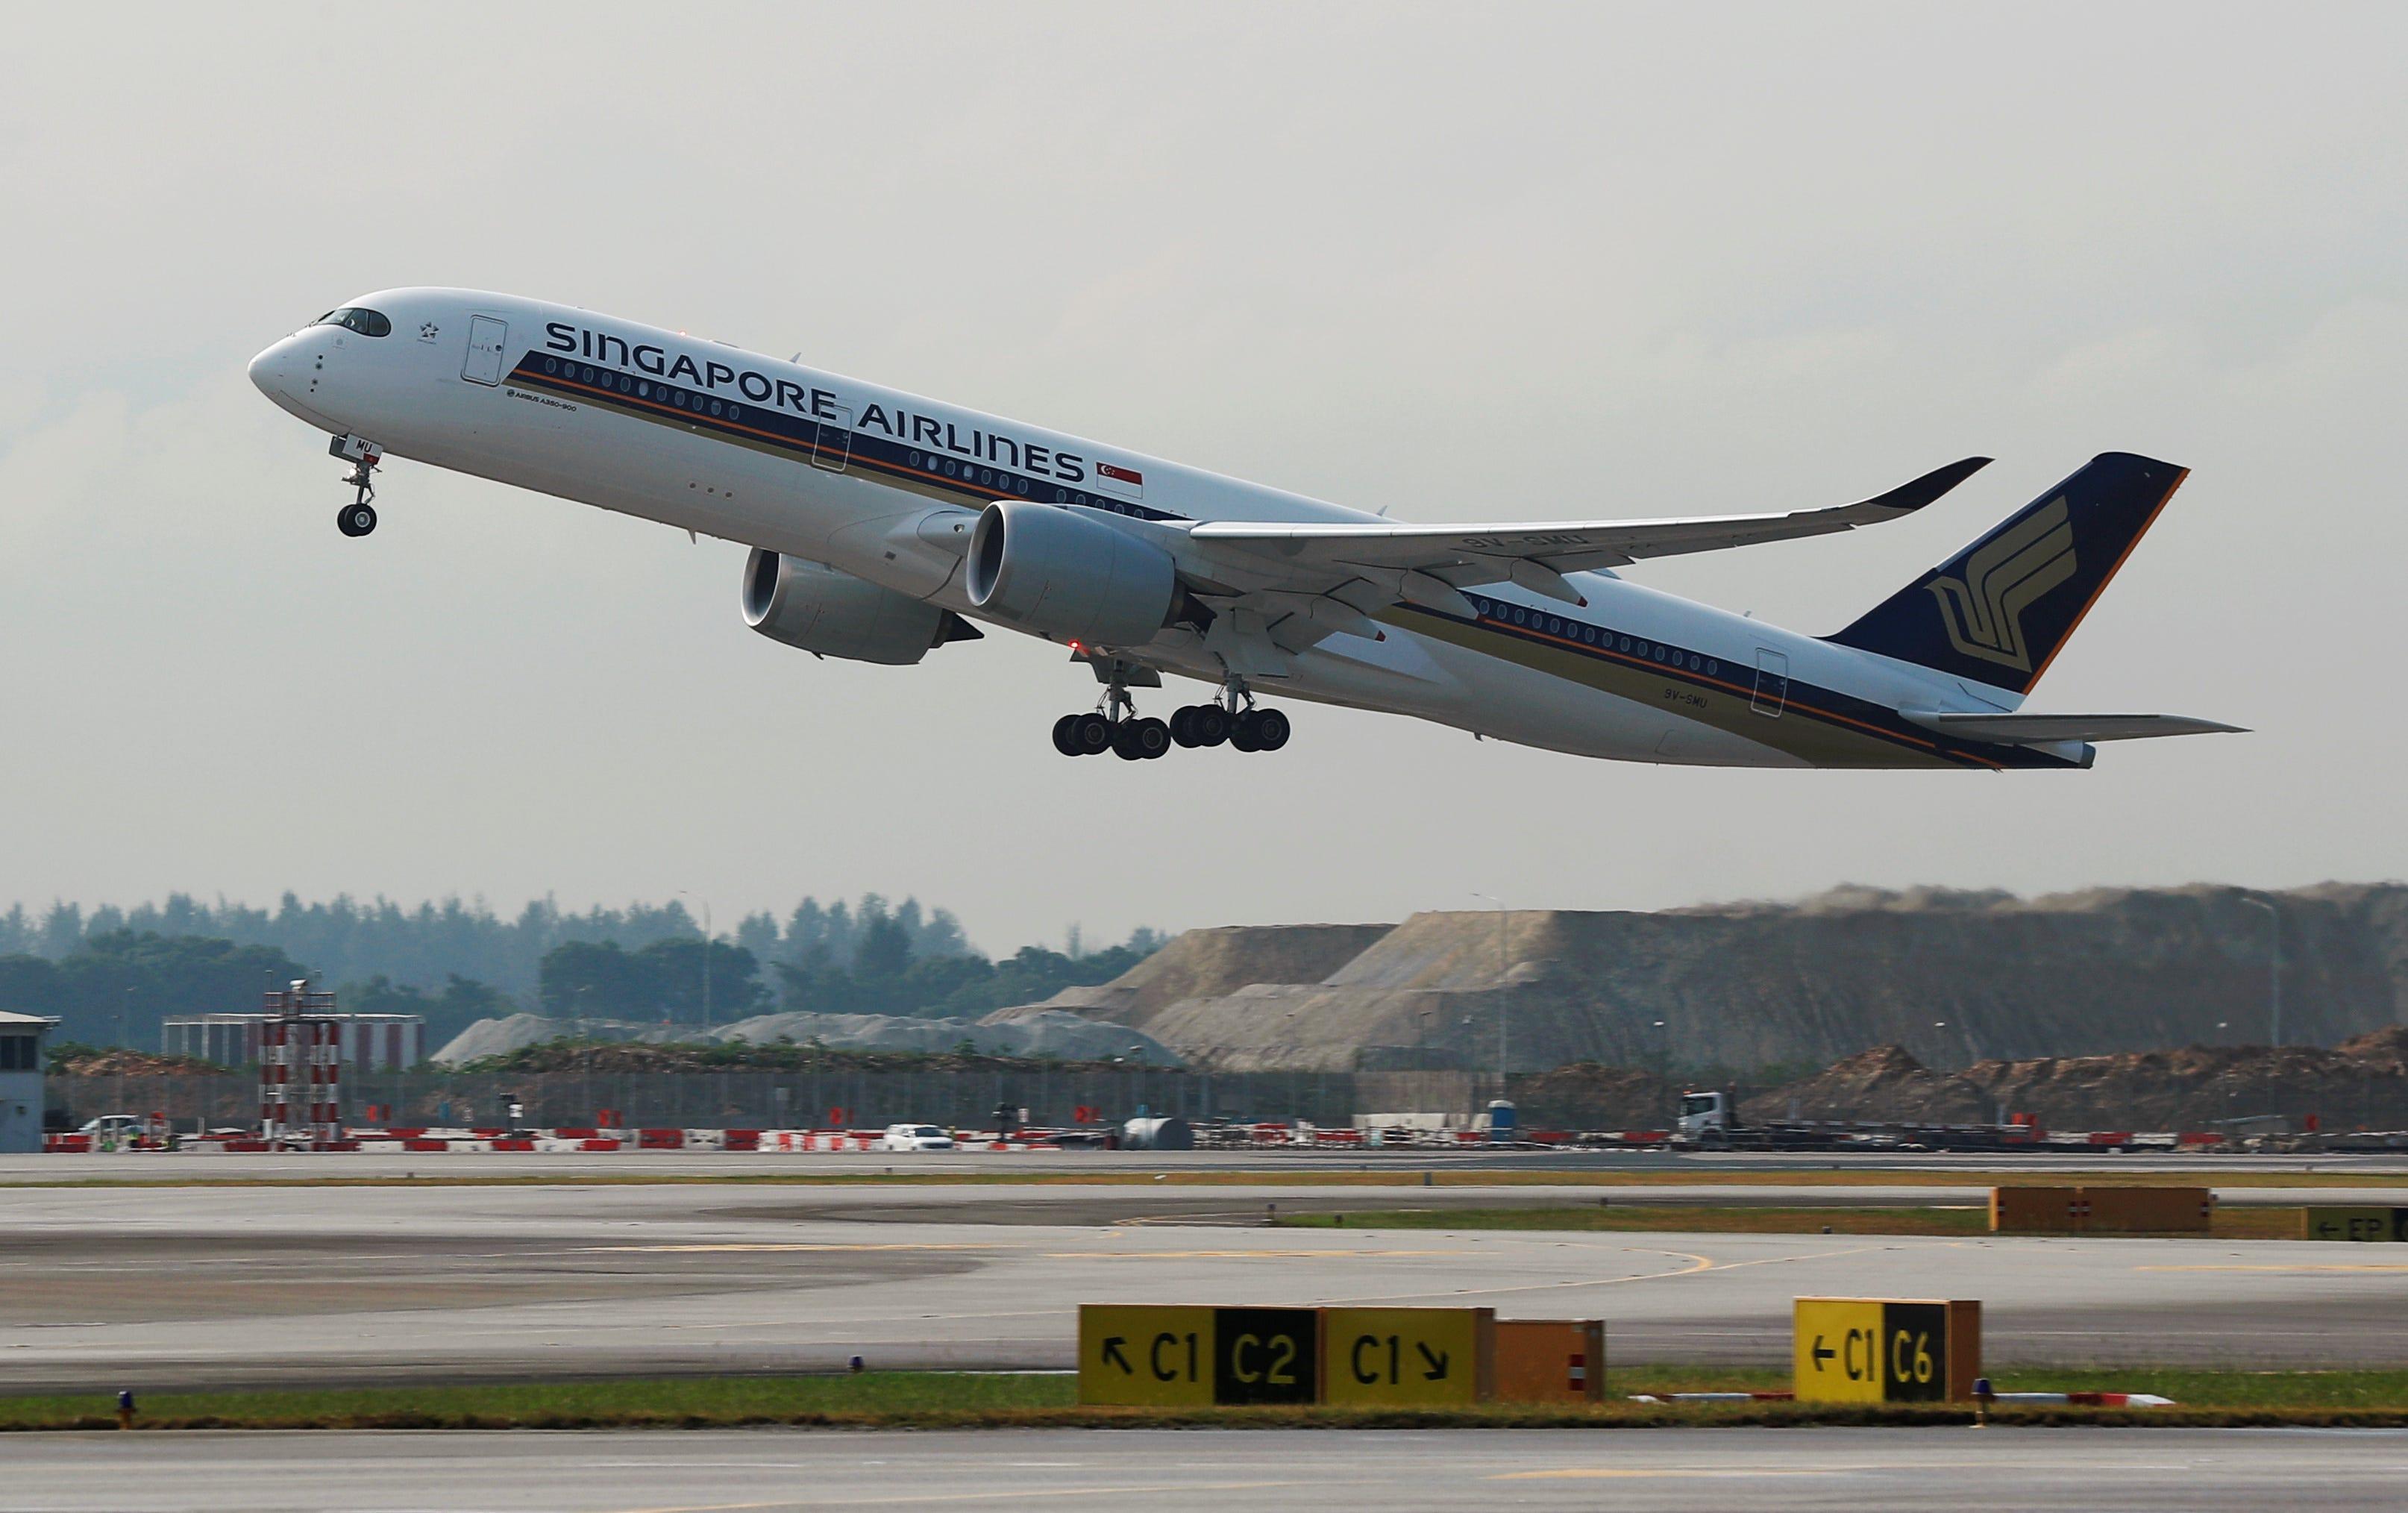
x=359 y=517
x=1116 y=728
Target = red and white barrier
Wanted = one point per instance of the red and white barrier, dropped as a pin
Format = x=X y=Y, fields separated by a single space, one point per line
x=2088 y=1400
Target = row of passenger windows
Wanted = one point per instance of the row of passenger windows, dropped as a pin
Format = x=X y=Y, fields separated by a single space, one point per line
x=368 y=322
x=989 y=478
x=1597 y=636
x=969 y=472
x=665 y=394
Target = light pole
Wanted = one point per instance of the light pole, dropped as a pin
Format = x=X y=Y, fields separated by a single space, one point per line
x=1502 y=1000
x=2273 y=964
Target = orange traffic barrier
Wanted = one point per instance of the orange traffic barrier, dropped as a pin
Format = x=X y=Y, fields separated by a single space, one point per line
x=2034 y=1210
x=2150 y=1210
x=1550 y=1361
x=2088 y=1210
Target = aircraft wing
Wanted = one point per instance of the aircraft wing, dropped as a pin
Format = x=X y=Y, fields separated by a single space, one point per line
x=2042 y=730
x=1536 y=555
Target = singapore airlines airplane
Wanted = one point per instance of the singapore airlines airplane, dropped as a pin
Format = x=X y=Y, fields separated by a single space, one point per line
x=884 y=526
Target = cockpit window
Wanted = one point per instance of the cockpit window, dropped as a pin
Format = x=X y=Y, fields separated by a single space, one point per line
x=368 y=322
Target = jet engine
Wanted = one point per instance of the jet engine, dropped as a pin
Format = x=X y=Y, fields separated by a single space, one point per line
x=1071 y=577
x=832 y=613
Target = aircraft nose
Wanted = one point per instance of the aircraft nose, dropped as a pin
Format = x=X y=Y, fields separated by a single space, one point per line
x=271 y=370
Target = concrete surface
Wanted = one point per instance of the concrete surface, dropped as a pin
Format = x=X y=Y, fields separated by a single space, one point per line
x=180 y=1166
x=155 y=1287
x=1678 y=1470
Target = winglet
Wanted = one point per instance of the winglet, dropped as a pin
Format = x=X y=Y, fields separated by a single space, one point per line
x=1931 y=486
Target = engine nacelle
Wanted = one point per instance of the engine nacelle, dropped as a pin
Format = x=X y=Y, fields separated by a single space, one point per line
x=819 y=609
x=1073 y=578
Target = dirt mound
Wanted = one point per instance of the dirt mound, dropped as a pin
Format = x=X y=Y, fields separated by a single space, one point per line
x=2363 y=1085
x=1211 y=963
x=1884 y=1083
x=1955 y=978
x=2384 y=1048
x=133 y=1064
x=1587 y=1096
x=622 y=1057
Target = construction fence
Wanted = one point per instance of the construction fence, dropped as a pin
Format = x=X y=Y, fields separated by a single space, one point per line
x=788 y=1100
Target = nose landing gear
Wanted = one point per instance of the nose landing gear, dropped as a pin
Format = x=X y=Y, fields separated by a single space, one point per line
x=359 y=517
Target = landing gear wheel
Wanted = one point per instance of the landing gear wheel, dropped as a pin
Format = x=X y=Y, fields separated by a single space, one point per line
x=1065 y=736
x=1181 y=728
x=355 y=519
x=1151 y=738
x=1125 y=742
x=1093 y=734
x=1241 y=733
x=1271 y=729
x=1208 y=724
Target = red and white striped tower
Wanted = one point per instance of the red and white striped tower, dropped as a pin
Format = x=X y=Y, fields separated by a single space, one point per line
x=301 y=1066
x=274 y=1075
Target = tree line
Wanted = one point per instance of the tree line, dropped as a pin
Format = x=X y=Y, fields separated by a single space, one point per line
x=350 y=941
x=644 y=964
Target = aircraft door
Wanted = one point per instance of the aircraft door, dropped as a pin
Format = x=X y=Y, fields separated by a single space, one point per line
x=1772 y=694
x=835 y=447
x=487 y=336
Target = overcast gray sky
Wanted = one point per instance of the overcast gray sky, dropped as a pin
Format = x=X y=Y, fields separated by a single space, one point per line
x=1463 y=262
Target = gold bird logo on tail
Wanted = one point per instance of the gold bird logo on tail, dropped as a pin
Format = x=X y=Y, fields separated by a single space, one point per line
x=1982 y=611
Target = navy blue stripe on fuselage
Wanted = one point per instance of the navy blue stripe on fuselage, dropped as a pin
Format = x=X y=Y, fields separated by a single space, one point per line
x=831 y=447
x=1552 y=629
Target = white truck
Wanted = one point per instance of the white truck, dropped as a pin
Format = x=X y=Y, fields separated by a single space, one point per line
x=914 y=1137
x=1705 y=1117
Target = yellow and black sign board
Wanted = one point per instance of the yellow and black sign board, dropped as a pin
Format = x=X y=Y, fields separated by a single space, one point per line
x=1187 y=1357
x=1409 y=1356
x=1145 y=1357
x=1885 y=1350
x=1266 y=1355
x=2363 y=1224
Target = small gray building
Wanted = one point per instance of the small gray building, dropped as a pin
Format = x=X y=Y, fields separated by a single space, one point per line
x=20 y=1081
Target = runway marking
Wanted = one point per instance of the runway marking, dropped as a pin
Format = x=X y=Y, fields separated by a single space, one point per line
x=984 y=1496
x=2303 y=1266
x=1699 y=1264
x=735 y=1245
x=1584 y=1474
x=1238 y=1254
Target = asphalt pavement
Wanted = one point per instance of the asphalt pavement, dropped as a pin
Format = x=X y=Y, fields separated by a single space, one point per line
x=280 y=1285
x=1678 y=1471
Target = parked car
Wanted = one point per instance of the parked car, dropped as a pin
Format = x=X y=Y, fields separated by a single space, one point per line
x=914 y=1137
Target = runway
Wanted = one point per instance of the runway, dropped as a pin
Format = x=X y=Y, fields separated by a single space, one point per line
x=1268 y=1163
x=1677 y=1471
x=157 y=1288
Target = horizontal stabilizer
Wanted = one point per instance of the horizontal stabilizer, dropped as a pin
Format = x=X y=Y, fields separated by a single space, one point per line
x=2044 y=729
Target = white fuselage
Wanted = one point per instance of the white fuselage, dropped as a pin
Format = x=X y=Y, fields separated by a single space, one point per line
x=475 y=383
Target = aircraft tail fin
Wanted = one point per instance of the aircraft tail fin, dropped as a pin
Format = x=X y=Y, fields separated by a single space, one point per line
x=1998 y=611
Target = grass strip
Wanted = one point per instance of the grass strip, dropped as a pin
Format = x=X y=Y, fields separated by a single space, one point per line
x=933 y=1400
x=2255 y=1222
